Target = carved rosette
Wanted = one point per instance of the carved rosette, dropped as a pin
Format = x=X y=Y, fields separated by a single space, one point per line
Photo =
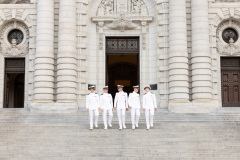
x=11 y=47
x=230 y=48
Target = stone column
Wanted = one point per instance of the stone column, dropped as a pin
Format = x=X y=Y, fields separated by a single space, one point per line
x=201 y=58
x=44 y=59
x=67 y=53
x=178 y=56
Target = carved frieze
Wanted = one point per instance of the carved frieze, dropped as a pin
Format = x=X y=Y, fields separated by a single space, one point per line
x=115 y=7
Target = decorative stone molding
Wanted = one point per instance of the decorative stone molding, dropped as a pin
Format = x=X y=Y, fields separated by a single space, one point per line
x=122 y=23
x=115 y=7
x=219 y=13
x=232 y=48
x=13 y=49
x=227 y=0
x=122 y=15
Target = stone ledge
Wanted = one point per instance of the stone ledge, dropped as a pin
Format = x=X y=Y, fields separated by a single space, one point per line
x=54 y=107
x=194 y=107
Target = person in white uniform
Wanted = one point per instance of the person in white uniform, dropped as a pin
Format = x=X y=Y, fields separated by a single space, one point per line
x=135 y=106
x=149 y=104
x=93 y=106
x=121 y=104
x=106 y=102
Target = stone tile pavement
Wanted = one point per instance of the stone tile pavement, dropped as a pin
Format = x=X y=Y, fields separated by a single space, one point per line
x=26 y=135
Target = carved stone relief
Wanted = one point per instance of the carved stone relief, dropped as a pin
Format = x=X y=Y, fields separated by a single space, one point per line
x=115 y=7
x=227 y=38
x=14 y=40
x=122 y=15
x=122 y=23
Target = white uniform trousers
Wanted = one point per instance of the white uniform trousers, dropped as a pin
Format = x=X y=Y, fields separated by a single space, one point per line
x=110 y=112
x=135 y=111
x=96 y=111
x=121 y=117
x=149 y=113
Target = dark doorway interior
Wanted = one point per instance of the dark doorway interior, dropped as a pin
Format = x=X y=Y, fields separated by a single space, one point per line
x=14 y=83
x=230 y=72
x=122 y=63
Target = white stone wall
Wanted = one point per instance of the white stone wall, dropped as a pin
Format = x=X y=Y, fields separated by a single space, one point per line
x=25 y=13
x=160 y=57
x=218 y=13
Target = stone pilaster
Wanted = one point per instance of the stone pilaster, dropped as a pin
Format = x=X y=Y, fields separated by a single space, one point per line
x=44 y=58
x=67 y=53
x=201 y=58
x=178 y=56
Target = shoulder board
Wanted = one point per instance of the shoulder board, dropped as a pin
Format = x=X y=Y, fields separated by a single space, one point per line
x=95 y=93
x=145 y=93
x=152 y=92
x=88 y=94
x=101 y=94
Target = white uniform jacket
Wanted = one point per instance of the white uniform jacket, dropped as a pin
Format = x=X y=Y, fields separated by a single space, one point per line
x=92 y=101
x=106 y=101
x=121 y=100
x=134 y=100
x=149 y=101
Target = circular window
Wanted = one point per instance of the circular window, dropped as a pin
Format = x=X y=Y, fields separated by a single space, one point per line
x=17 y=35
x=228 y=34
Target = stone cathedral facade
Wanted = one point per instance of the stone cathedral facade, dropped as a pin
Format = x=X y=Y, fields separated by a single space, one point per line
x=186 y=50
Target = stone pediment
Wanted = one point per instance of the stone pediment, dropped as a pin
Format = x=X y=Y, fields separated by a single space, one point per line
x=122 y=22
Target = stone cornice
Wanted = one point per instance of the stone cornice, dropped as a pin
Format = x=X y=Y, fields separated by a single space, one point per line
x=133 y=18
x=17 y=6
x=225 y=5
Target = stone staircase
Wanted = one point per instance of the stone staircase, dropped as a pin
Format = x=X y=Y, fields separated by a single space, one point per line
x=26 y=135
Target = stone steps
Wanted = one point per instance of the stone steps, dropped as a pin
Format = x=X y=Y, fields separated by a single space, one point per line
x=32 y=136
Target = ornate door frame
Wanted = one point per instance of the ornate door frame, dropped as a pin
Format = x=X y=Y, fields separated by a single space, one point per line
x=225 y=49
x=11 y=47
x=122 y=21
